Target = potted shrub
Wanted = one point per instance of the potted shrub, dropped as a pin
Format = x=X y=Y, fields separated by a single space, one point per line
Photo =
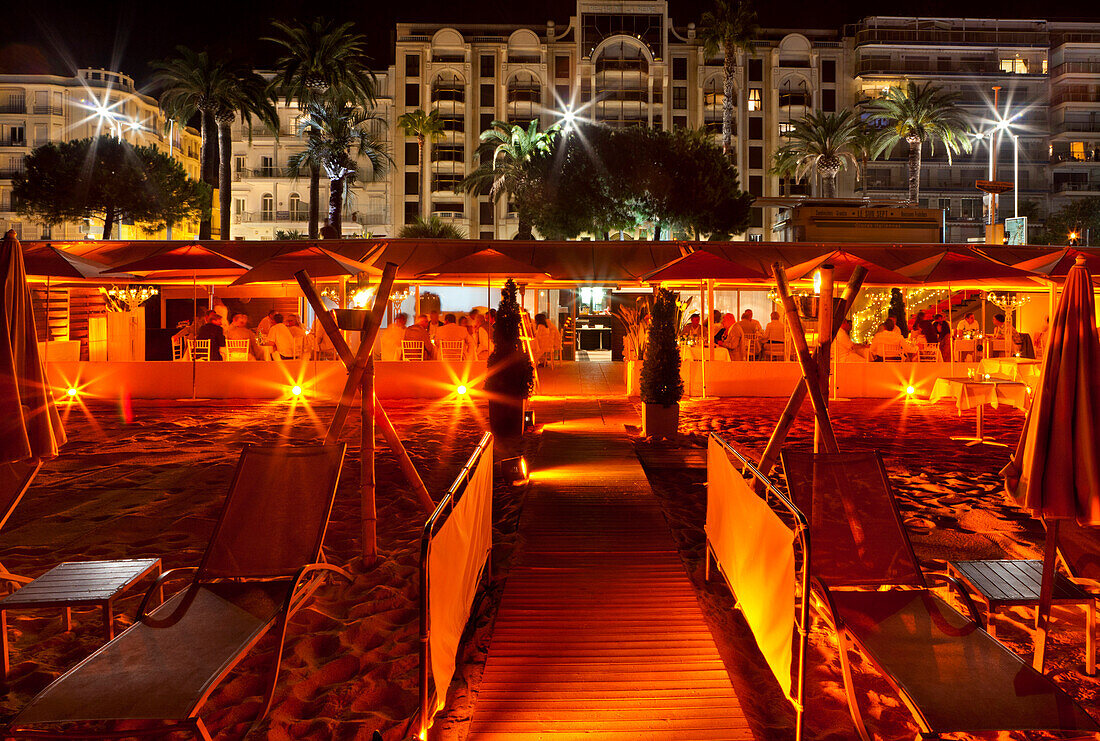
x=661 y=384
x=510 y=375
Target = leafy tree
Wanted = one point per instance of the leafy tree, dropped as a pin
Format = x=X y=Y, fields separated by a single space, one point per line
x=431 y=228
x=338 y=135
x=505 y=153
x=660 y=380
x=1079 y=216
x=821 y=142
x=730 y=27
x=917 y=114
x=323 y=59
x=106 y=179
x=510 y=371
x=425 y=127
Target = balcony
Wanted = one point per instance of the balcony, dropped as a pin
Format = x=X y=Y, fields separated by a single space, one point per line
x=787 y=100
x=370 y=218
x=1086 y=127
x=1059 y=159
x=447 y=94
x=1075 y=68
x=1074 y=96
x=1074 y=187
x=621 y=65
x=13 y=142
x=950 y=37
x=13 y=106
x=300 y=215
x=48 y=110
x=262 y=172
x=7 y=173
x=524 y=94
x=989 y=68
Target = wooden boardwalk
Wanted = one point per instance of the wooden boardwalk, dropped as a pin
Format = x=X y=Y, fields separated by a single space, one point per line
x=599 y=633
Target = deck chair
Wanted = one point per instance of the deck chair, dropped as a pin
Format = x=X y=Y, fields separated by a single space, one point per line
x=263 y=560
x=952 y=675
x=15 y=479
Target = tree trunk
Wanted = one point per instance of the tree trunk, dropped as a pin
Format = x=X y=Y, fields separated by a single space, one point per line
x=914 y=169
x=729 y=67
x=206 y=166
x=828 y=185
x=225 y=177
x=524 y=230
x=336 y=205
x=314 y=201
x=109 y=218
x=420 y=176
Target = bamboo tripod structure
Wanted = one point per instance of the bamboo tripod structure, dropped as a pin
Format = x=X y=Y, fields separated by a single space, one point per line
x=810 y=383
x=361 y=378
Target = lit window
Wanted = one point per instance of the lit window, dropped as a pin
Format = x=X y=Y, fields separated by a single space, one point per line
x=785 y=128
x=1015 y=66
x=756 y=99
x=1044 y=66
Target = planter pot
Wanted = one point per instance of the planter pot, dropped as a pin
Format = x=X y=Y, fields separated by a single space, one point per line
x=659 y=421
x=506 y=417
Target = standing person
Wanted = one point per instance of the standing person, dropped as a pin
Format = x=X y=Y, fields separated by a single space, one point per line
x=939 y=333
x=418 y=332
x=543 y=342
x=265 y=323
x=433 y=323
x=481 y=338
x=238 y=330
x=212 y=330
x=389 y=339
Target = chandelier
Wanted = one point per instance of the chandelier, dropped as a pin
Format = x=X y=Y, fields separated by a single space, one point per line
x=1007 y=303
x=128 y=298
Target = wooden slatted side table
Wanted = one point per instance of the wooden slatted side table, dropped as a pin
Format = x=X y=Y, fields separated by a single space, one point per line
x=77 y=584
x=1016 y=583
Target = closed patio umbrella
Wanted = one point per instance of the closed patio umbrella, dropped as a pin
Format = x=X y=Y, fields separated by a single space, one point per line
x=30 y=426
x=1055 y=471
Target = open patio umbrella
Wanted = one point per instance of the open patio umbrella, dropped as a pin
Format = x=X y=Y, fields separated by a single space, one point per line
x=484 y=264
x=30 y=426
x=1055 y=471
x=186 y=261
x=320 y=263
x=1058 y=264
x=844 y=263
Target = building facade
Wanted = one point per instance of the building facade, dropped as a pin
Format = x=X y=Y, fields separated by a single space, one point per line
x=37 y=109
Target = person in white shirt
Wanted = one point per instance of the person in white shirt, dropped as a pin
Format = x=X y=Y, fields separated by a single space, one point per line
x=450 y=331
x=295 y=326
x=968 y=325
x=887 y=341
x=481 y=340
x=775 y=337
x=846 y=350
x=389 y=339
x=281 y=338
x=732 y=337
x=265 y=323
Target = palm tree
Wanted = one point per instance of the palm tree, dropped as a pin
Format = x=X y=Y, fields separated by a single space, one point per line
x=865 y=147
x=821 y=142
x=322 y=59
x=511 y=147
x=431 y=228
x=425 y=127
x=339 y=135
x=730 y=27
x=918 y=114
x=195 y=83
x=248 y=97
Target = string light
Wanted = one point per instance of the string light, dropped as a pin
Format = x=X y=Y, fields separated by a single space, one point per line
x=128 y=298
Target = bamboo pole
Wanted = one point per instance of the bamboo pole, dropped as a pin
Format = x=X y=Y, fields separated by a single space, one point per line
x=389 y=433
x=810 y=373
x=790 y=412
x=824 y=341
x=369 y=509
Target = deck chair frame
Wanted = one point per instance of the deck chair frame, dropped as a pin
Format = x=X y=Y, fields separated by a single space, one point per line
x=22 y=481
x=301 y=585
x=847 y=640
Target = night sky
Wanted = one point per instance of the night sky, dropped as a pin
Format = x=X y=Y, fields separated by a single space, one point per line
x=52 y=36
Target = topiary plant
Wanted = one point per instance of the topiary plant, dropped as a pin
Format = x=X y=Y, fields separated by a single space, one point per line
x=661 y=382
x=510 y=371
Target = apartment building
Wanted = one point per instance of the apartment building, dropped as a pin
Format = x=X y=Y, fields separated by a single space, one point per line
x=1074 y=74
x=268 y=201
x=619 y=64
x=36 y=109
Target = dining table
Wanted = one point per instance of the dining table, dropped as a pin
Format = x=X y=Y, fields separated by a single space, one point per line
x=975 y=393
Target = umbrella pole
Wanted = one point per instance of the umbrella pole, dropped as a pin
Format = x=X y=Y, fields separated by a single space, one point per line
x=951 y=331
x=1046 y=592
x=46 y=359
x=703 y=344
x=195 y=308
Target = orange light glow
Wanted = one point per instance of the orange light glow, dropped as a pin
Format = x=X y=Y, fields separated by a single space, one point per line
x=296 y=390
x=70 y=392
x=461 y=390
x=910 y=390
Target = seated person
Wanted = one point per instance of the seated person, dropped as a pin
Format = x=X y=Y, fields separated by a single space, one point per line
x=733 y=339
x=968 y=328
x=281 y=339
x=1001 y=332
x=751 y=328
x=775 y=337
x=213 y=331
x=693 y=330
x=848 y=351
x=939 y=333
x=450 y=331
x=266 y=322
x=389 y=338
x=419 y=333
x=886 y=342
x=238 y=330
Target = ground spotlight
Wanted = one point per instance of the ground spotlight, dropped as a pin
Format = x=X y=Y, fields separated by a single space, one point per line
x=70 y=392
x=529 y=418
x=514 y=470
x=461 y=390
x=295 y=390
x=910 y=390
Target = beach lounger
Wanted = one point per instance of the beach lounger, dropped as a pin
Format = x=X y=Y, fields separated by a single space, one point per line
x=15 y=479
x=952 y=675
x=263 y=560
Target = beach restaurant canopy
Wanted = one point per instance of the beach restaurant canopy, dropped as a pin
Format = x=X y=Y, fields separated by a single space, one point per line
x=565 y=263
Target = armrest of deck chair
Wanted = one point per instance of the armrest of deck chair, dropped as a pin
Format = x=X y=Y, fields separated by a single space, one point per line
x=956 y=586
x=157 y=586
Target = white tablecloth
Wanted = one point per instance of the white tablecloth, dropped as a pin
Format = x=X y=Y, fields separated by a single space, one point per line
x=970 y=393
x=1024 y=370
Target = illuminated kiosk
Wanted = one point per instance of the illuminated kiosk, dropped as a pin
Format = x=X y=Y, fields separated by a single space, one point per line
x=854 y=220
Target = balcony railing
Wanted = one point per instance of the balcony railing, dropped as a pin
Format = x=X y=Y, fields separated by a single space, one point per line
x=1059 y=127
x=1074 y=96
x=370 y=218
x=297 y=215
x=949 y=37
x=10 y=172
x=793 y=99
x=13 y=142
x=621 y=65
x=524 y=94
x=48 y=110
x=881 y=65
x=1076 y=68
x=450 y=94
x=1065 y=158
x=1074 y=186
x=13 y=106
x=263 y=172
